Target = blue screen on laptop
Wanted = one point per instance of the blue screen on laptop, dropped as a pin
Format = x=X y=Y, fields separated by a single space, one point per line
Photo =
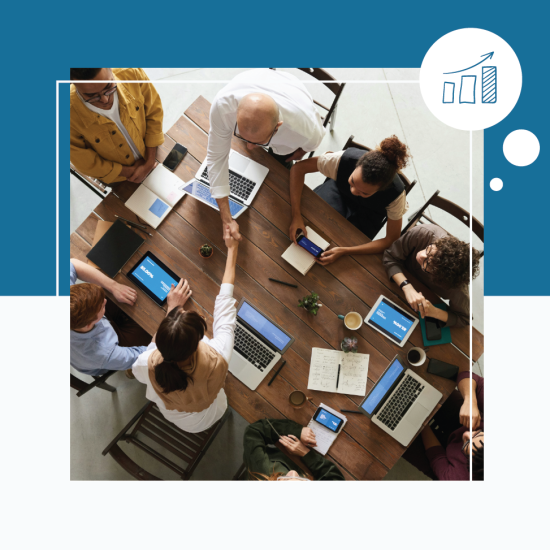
x=263 y=326
x=382 y=387
x=391 y=321
x=154 y=278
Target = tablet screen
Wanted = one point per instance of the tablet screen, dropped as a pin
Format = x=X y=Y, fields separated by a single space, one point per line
x=153 y=277
x=393 y=322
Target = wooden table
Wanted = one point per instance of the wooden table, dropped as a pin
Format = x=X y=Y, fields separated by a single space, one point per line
x=362 y=450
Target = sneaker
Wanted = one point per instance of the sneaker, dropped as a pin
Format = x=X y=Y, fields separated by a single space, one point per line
x=130 y=374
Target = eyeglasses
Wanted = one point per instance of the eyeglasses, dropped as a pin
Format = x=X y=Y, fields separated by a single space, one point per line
x=426 y=263
x=475 y=435
x=289 y=478
x=251 y=142
x=106 y=93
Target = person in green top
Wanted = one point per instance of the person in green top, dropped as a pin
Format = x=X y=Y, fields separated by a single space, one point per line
x=271 y=464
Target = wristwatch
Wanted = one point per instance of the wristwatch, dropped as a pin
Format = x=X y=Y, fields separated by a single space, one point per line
x=404 y=283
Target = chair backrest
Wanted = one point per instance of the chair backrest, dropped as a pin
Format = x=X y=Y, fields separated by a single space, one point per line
x=82 y=387
x=406 y=182
x=151 y=426
x=451 y=208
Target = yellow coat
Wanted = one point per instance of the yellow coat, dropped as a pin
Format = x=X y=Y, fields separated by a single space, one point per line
x=98 y=149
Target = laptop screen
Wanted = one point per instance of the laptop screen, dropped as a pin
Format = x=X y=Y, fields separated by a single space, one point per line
x=383 y=385
x=263 y=326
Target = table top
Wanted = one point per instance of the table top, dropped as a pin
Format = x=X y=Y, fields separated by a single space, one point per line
x=362 y=450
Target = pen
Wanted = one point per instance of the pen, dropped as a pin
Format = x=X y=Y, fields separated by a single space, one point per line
x=338 y=379
x=142 y=227
x=278 y=371
x=283 y=283
x=350 y=411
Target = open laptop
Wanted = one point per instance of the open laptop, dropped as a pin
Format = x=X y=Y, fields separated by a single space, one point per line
x=400 y=402
x=259 y=344
x=245 y=177
x=202 y=193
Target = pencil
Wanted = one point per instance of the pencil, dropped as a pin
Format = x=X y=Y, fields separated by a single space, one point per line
x=338 y=379
x=283 y=283
x=350 y=411
x=278 y=371
x=137 y=225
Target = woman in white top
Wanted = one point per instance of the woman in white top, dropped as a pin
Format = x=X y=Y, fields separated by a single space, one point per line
x=185 y=371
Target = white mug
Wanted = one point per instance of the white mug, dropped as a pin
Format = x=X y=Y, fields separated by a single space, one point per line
x=348 y=318
x=422 y=357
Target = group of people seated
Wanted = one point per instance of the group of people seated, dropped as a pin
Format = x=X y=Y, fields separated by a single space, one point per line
x=116 y=127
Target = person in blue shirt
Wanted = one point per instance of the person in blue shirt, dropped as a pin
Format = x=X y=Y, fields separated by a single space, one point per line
x=103 y=338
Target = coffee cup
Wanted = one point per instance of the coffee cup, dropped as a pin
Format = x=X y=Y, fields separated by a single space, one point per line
x=416 y=357
x=352 y=320
x=297 y=399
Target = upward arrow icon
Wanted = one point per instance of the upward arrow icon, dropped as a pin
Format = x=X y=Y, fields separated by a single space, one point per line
x=485 y=57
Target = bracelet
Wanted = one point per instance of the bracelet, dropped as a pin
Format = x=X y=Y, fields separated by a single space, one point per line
x=404 y=283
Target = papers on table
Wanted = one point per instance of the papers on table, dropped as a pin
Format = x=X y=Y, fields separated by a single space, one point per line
x=323 y=371
x=325 y=437
x=299 y=258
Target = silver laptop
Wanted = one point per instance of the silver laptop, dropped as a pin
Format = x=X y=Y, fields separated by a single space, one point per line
x=400 y=402
x=259 y=344
x=245 y=177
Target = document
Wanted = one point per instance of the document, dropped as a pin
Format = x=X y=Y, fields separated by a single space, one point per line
x=325 y=437
x=299 y=258
x=323 y=371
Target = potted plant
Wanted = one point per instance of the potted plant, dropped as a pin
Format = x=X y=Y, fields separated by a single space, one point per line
x=310 y=303
x=349 y=345
x=206 y=251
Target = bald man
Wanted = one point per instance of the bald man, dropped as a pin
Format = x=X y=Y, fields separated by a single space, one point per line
x=263 y=108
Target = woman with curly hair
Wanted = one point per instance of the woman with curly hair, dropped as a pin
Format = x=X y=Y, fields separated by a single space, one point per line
x=364 y=187
x=442 y=263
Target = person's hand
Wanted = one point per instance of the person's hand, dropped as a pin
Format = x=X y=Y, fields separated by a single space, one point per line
x=234 y=230
x=294 y=445
x=298 y=154
x=307 y=437
x=230 y=241
x=464 y=415
x=415 y=299
x=178 y=295
x=124 y=294
x=141 y=171
x=430 y=310
x=331 y=255
x=296 y=226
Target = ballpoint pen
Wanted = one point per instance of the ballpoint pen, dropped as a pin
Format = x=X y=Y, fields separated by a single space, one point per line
x=142 y=227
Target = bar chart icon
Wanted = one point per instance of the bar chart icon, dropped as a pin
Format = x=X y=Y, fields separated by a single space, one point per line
x=468 y=89
x=488 y=84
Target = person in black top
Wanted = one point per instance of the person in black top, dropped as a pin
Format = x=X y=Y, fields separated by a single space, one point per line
x=364 y=187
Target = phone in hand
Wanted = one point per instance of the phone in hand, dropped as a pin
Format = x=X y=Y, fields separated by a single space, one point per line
x=328 y=420
x=175 y=156
x=433 y=329
x=445 y=370
x=306 y=244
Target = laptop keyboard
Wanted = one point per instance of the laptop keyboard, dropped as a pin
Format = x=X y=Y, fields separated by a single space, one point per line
x=240 y=186
x=252 y=350
x=396 y=408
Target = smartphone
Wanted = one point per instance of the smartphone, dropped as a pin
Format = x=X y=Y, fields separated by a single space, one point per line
x=445 y=370
x=328 y=420
x=433 y=329
x=175 y=156
x=306 y=244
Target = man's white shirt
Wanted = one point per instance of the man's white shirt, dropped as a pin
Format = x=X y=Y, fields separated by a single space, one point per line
x=302 y=125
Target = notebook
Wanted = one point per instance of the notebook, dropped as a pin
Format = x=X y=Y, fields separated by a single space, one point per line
x=298 y=258
x=156 y=196
x=323 y=371
x=325 y=437
x=115 y=248
x=101 y=228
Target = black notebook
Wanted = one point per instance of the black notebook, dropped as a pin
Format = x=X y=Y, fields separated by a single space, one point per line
x=115 y=248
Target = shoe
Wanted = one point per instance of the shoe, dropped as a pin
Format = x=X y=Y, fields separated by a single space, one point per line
x=130 y=374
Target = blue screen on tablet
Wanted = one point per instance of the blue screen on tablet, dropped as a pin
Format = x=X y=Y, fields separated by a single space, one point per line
x=151 y=275
x=391 y=321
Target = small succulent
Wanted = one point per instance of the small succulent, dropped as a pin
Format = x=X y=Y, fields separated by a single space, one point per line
x=310 y=303
x=349 y=345
x=206 y=250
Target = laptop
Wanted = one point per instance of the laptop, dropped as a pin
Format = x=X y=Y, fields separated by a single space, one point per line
x=400 y=402
x=201 y=192
x=245 y=177
x=259 y=344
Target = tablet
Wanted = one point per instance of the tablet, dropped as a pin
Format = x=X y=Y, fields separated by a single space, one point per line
x=391 y=320
x=153 y=277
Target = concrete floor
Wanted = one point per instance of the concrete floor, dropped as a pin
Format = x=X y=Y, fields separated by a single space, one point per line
x=370 y=112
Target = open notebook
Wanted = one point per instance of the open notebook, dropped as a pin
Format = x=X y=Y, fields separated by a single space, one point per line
x=299 y=258
x=156 y=196
x=323 y=371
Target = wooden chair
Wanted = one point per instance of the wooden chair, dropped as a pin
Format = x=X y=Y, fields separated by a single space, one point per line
x=406 y=182
x=99 y=381
x=94 y=184
x=151 y=424
x=451 y=208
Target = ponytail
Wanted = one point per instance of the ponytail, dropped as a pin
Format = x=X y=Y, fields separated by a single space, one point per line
x=170 y=377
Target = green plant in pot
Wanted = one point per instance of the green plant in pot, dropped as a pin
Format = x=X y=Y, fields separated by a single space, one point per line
x=206 y=251
x=310 y=303
x=349 y=345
